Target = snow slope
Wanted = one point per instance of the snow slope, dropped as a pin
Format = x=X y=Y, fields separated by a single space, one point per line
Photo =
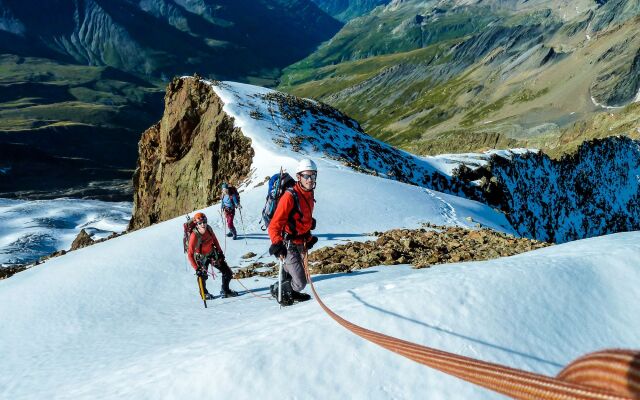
x=122 y=318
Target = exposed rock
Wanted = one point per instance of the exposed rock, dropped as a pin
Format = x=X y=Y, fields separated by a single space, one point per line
x=420 y=247
x=257 y=269
x=82 y=240
x=185 y=157
x=250 y=254
x=7 y=272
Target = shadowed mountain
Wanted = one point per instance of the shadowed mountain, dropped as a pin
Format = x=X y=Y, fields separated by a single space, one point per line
x=96 y=70
x=224 y=39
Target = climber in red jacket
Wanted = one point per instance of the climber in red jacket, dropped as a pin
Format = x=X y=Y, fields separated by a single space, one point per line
x=290 y=231
x=204 y=249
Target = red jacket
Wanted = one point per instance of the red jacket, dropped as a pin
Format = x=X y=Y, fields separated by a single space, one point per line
x=303 y=220
x=208 y=242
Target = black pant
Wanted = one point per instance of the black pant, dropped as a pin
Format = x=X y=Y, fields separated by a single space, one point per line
x=223 y=267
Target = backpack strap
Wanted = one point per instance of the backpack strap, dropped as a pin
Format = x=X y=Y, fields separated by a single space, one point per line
x=291 y=222
x=213 y=251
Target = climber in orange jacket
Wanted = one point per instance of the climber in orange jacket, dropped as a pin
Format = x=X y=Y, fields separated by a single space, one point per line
x=290 y=231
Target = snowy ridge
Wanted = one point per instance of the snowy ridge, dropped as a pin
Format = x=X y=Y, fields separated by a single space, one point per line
x=284 y=128
x=121 y=319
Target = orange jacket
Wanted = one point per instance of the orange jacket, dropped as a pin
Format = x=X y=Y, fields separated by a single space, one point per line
x=208 y=242
x=302 y=220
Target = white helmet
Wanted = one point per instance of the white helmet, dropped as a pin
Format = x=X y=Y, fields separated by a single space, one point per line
x=306 y=165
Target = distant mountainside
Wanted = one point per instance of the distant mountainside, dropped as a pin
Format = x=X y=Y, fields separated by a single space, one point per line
x=81 y=79
x=449 y=76
x=222 y=38
x=345 y=10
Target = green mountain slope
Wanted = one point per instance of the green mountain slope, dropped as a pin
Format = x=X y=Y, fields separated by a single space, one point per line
x=344 y=10
x=435 y=76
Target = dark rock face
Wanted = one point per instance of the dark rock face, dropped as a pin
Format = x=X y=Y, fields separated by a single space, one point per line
x=620 y=84
x=611 y=12
x=40 y=164
x=185 y=157
x=593 y=192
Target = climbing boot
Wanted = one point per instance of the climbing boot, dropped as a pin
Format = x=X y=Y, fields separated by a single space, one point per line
x=300 y=296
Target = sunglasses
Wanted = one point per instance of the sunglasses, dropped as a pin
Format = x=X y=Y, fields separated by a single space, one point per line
x=309 y=176
x=202 y=222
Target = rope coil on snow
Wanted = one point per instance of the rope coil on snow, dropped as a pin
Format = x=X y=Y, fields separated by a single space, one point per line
x=604 y=375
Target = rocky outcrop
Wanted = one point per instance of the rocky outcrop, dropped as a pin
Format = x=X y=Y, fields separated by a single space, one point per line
x=185 y=157
x=82 y=240
x=9 y=271
x=420 y=247
x=592 y=192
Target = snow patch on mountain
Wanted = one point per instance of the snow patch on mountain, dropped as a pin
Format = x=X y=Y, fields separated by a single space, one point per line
x=294 y=128
x=32 y=229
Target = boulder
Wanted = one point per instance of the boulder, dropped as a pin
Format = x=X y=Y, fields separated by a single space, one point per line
x=82 y=240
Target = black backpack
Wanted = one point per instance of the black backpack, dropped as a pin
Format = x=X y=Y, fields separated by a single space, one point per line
x=278 y=184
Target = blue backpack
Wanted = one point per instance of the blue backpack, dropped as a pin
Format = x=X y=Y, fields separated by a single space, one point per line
x=278 y=184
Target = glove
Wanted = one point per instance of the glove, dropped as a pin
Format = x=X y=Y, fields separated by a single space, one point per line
x=313 y=224
x=278 y=250
x=312 y=241
x=201 y=272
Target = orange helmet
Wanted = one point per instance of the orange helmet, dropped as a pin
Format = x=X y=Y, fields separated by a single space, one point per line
x=200 y=217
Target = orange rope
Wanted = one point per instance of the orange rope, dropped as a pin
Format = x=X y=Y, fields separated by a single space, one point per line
x=609 y=374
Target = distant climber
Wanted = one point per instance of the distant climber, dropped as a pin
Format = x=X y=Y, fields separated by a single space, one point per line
x=290 y=232
x=229 y=201
x=204 y=250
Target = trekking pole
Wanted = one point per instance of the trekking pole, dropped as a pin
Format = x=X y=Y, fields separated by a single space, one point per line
x=281 y=262
x=201 y=287
x=244 y=231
